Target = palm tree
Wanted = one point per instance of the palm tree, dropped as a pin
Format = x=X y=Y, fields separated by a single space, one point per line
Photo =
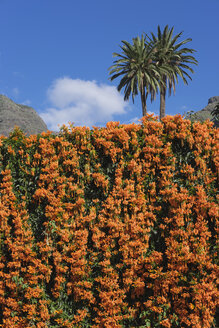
x=140 y=73
x=169 y=55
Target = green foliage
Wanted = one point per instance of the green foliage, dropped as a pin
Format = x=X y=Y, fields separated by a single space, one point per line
x=169 y=55
x=138 y=71
x=26 y=183
x=151 y=64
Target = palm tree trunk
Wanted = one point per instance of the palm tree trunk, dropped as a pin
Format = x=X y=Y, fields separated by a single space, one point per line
x=162 y=101
x=143 y=102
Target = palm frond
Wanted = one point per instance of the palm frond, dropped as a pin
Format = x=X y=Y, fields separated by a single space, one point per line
x=169 y=58
x=135 y=65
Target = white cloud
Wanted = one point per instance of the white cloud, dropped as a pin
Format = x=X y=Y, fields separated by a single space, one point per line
x=83 y=102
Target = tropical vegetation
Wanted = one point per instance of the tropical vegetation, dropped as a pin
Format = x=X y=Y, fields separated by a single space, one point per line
x=152 y=64
x=114 y=227
x=169 y=53
x=139 y=71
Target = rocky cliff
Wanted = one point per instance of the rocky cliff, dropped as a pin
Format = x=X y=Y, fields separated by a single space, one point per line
x=25 y=117
x=205 y=113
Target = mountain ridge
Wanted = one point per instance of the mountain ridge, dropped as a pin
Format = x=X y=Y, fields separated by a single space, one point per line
x=205 y=113
x=12 y=114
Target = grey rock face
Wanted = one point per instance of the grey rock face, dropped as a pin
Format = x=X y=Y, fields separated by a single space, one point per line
x=213 y=100
x=205 y=113
x=25 y=117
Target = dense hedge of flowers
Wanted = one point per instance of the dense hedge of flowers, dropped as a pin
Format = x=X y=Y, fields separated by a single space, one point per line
x=110 y=227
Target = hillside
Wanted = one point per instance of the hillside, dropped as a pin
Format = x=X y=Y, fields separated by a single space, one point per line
x=25 y=117
x=205 y=113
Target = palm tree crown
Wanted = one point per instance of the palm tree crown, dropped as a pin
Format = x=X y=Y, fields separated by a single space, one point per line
x=175 y=60
x=139 y=70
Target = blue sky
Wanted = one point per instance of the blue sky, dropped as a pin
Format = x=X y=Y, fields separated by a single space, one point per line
x=55 y=55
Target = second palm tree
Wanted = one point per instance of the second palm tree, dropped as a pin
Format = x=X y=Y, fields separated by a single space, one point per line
x=168 y=54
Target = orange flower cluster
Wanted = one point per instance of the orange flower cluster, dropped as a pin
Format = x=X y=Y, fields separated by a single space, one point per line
x=115 y=227
x=21 y=273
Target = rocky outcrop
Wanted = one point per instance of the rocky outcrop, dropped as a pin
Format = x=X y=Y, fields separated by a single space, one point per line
x=213 y=100
x=206 y=112
x=25 y=117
